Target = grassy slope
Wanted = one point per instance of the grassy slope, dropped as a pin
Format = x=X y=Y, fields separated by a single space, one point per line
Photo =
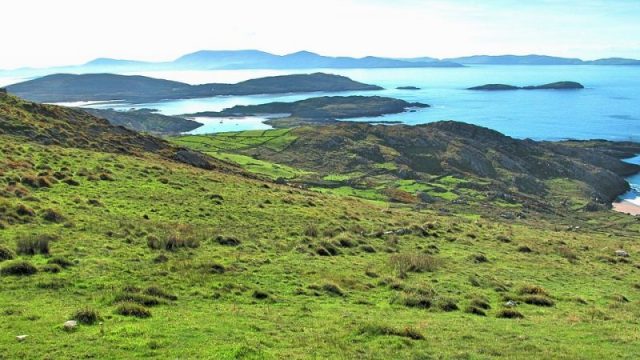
x=216 y=316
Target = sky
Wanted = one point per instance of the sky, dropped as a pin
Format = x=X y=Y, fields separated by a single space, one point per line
x=40 y=33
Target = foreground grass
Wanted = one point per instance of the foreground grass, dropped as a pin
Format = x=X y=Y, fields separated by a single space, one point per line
x=274 y=293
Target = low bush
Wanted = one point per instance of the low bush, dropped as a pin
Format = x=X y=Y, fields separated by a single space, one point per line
x=260 y=295
x=415 y=300
x=133 y=309
x=86 y=316
x=18 y=268
x=446 y=304
x=227 y=240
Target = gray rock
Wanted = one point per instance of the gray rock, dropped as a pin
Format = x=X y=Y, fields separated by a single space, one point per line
x=70 y=325
x=622 y=253
x=22 y=338
x=510 y=303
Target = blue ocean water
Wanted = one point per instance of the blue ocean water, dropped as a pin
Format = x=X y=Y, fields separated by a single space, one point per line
x=609 y=107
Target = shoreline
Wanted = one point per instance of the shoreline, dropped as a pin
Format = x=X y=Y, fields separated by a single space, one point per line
x=626 y=207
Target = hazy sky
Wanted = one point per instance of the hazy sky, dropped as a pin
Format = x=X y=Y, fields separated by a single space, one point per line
x=62 y=32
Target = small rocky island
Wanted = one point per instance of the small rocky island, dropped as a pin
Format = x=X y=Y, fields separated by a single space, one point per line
x=407 y=88
x=560 y=85
x=318 y=110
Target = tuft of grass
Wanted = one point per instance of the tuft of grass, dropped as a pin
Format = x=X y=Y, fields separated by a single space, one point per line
x=333 y=289
x=53 y=215
x=32 y=245
x=385 y=330
x=475 y=310
x=158 y=292
x=140 y=299
x=18 y=268
x=404 y=263
x=537 y=300
x=6 y=253
x=529 y=289
x=446 y=304
x=52 y=268
x=86 y=316
x=509 y=314
x=61 y=261
x=133 y=309
x=260 y=295
x=227 y=240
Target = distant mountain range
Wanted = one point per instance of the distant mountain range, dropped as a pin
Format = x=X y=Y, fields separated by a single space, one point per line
x=537 y=60
x=255 y=59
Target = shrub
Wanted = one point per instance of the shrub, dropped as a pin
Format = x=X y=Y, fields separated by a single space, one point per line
x=524 y=249
x=532 y=290
x=86 y=316
x=141 y=299
x=415 y=263
x=567 y=253
x=475 y=310
x=52 y=268
x=509 y=314
x=538 y=300
x=53 y=215
x=6 y=253
x=159 y=292
x=333 y=289
x=384 y=330
x=19 y=268
x=133 y=309
x=33 y=245
x=344 y=241
x=61 y=261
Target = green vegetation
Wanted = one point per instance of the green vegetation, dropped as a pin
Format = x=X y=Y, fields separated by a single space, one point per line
x=319 y=110
x=146 y=120
x=278 y=271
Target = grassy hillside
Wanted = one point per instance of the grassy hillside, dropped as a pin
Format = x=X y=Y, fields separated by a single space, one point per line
x=164 y=260
x=146 y=120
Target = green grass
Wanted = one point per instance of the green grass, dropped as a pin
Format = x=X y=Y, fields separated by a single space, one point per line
x=255 y=166
x=215 y=314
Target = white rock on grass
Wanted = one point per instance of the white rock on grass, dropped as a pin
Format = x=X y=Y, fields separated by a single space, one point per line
x=70 y=325
x=22 y=337
x=622 y=253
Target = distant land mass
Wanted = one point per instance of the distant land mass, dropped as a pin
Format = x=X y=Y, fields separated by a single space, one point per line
x=318 y=110
x=560 y=85
x=145 y=120
x=536 y=60
x=256 y=59
x=105 y=87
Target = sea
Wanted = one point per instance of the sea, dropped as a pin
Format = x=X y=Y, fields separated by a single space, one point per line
x=608 y=108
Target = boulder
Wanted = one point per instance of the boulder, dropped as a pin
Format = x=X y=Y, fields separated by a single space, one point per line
x=622 y=253
x=22 y=338
x=70 y=325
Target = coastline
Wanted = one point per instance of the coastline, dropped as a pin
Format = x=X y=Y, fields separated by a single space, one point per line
x=626 y=207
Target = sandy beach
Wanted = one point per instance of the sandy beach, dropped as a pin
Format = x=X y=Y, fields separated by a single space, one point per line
x=626 y=207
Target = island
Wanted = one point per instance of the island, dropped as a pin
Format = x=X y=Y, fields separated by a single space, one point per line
x=138 y=89
x=145 y=120
x=560 y=85
x=318 y=110
x=407 y=88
